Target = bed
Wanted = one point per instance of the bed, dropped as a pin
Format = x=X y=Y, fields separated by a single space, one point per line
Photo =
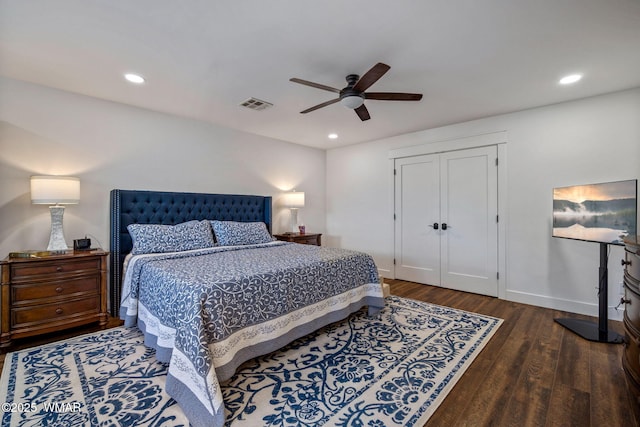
x=208 y=304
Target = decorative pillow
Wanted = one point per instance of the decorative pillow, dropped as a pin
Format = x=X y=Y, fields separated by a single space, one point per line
x=158 y=238
x=231 y=233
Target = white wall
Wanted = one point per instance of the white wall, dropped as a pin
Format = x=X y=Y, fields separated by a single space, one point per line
x=108 y=145
x=586 y=141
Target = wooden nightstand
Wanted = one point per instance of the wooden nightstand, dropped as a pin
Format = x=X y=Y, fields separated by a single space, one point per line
x=306 y=239
x=51 y=293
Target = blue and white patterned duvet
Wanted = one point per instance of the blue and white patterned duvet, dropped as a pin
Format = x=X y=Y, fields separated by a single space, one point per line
x=207 y=311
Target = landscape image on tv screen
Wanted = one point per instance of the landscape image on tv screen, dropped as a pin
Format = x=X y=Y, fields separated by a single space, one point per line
x=604 y=213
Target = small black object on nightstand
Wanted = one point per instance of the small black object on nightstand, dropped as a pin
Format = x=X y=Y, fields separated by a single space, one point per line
x=82 y=244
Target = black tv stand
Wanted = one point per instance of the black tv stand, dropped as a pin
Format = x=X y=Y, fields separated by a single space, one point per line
x=589 y=330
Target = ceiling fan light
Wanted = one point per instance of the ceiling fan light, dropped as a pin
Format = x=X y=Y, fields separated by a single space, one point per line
x=352 y=101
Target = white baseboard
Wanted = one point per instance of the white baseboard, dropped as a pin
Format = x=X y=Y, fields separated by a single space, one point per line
x=385 y=273
x=589 y=309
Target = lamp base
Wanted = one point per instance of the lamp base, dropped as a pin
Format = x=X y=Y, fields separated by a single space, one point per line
x=56 y=239
x=294 y=220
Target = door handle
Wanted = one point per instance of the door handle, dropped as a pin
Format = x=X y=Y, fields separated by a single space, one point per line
x=434 y=226
x=445 y=226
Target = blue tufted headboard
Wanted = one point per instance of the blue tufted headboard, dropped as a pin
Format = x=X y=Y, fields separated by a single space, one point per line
x=159 y=207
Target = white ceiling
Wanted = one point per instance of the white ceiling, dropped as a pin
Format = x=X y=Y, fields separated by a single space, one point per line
x=202 y=58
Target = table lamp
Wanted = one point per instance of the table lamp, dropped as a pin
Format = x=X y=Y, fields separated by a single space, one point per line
x=56 y=191
x=294 y=200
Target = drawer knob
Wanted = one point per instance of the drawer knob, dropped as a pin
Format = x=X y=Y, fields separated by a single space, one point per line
x=59 y=289
x=59 y=268
x=624 y=262
x=58 y=310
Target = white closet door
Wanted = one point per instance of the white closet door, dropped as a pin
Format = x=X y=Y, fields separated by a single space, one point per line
x=417 y=243
x=457 y=192
x=469 y=207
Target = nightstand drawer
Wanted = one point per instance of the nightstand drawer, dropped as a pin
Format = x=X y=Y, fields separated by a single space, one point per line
x=52 y=312
x=32 y=271
x=23 y=294
x=305 y=239
x=310 y=240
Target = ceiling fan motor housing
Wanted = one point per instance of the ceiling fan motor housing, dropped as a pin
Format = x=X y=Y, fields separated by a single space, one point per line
x=347 y=92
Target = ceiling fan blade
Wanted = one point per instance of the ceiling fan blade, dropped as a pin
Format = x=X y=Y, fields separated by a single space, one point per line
x=363 y=113
x=316 y=85
x=324 y=104
x=393 y=96
x=371 y=76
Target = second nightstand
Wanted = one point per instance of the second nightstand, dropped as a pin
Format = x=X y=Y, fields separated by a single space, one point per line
x=306 y=239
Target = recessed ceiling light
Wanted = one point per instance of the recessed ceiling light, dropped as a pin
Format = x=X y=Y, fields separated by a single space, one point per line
x=332 y=136
x=134 y=78
x=571 y=78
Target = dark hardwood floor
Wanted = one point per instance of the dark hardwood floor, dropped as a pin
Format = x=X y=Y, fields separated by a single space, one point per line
x=533 y=372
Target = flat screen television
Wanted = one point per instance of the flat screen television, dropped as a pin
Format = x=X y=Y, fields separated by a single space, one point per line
x=602 y=213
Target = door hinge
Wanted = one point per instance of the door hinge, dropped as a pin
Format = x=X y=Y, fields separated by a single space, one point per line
x=497 y=218
x=394 y=171
x=394 y=261
x=496 y=161
x=498 y=275
x=394 y=217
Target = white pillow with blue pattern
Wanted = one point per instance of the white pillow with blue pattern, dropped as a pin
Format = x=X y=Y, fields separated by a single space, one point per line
x=232 y=233
x=159 y=238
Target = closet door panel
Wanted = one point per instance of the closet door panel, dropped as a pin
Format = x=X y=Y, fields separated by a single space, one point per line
x=469 y=245
x=417 y=243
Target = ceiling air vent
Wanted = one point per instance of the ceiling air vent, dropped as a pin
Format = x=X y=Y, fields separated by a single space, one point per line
x=256 y=104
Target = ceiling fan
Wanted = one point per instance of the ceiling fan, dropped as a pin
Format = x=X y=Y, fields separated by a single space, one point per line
x=353 y=95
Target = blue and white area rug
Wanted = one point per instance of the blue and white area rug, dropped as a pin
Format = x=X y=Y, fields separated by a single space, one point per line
x=392 y=370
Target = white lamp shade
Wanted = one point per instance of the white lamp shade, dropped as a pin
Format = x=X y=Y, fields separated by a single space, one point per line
x=294 y=199
x=49 y=190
